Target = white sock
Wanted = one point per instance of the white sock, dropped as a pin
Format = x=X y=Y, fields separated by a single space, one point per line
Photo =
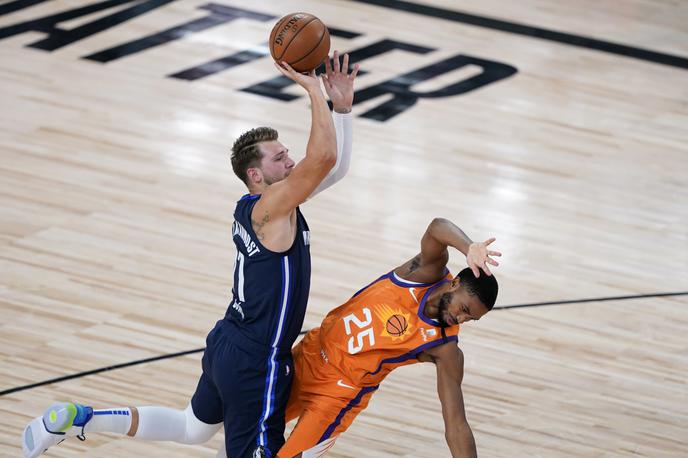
x=115 y=420
x=163 y=424
x=152 y=424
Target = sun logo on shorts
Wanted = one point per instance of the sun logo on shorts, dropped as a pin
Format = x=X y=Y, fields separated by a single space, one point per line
x=396 y=321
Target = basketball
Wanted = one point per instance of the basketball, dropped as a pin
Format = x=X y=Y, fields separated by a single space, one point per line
x=396 y=325
x=301 y=40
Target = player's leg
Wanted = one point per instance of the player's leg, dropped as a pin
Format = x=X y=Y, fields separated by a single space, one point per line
x=292 y=411
x=324 y=403
x=255 y=398
x=319 y=450
x=64 y=420
x=197 y=424
x=307 y=435
x=329 y=411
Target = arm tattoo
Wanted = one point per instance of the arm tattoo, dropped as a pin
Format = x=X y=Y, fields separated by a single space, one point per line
x=415 y=264
x=258 y=225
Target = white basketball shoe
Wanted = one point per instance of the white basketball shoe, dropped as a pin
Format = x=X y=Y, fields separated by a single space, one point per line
x=59 y=422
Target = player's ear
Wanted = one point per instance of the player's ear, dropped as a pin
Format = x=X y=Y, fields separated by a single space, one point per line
x=455 y=282
x=255 y=175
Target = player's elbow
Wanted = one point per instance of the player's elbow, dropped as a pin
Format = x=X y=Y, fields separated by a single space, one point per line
x=331 y=154
x=438 y=221
x=436 y=225
x=327 y=160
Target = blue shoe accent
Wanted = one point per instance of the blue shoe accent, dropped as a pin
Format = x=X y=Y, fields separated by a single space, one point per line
x=83 y=415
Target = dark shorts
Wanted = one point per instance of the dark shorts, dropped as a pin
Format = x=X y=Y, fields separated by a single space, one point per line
x=245 y=387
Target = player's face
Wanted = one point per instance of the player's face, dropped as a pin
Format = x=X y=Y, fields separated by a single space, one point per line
x=457 y=306
x=276 y=164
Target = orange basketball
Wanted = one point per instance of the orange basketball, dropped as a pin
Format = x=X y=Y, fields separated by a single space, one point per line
x=396 y=325
x=301 y=40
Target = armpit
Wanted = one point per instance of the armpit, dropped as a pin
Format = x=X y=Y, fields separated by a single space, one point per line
x=426 y=358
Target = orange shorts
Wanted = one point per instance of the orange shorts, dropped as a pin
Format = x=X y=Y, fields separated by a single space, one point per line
x=324 y=402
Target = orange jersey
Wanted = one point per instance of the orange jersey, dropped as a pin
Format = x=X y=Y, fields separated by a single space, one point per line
x=338 y=367
x=380 y=328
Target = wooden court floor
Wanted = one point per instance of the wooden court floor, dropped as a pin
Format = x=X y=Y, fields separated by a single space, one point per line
x=561 y=128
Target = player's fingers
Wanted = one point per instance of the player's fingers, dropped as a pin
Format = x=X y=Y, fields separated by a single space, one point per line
x=283 y=70
x=489 y=241
x=336 y=61
x=474 y=267
x=288 y=68
x=494 y=253
x=486 y=269
x=493 y=262
x=328 y=66
x=328 y=83
x=355 y=72
x=345 y=64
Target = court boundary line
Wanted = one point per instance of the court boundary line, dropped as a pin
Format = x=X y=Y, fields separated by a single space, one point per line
x=198 y=350
x=593 y=299
x=531 y=31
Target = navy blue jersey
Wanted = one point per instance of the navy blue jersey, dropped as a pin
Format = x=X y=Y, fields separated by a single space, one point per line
x=270 y=289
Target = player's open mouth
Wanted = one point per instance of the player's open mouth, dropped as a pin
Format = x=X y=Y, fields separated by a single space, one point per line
x=450 y=320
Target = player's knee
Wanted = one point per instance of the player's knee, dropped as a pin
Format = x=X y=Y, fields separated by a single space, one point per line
x=198 y=432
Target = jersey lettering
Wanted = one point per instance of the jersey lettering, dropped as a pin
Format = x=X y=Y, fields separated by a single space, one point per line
x=355 y=348
x=251 y=247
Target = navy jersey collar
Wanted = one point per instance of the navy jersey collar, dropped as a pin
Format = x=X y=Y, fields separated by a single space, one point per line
x=421 y=307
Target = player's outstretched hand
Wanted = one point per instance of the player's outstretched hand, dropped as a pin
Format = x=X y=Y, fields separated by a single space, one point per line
x=478 y=257
x=339 y=83
x=308 y=81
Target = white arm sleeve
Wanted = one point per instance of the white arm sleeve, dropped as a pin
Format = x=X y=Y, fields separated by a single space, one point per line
x=343 y=125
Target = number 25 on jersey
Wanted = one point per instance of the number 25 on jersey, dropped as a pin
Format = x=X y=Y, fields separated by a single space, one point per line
x=356 y=345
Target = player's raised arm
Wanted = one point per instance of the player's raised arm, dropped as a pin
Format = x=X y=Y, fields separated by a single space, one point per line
x=448 y=359
x=282 y=198
x=339 y=85
x=429 y=265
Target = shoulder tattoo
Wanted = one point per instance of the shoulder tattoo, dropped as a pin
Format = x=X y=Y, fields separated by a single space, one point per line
x=415 y=264
x=258 y=225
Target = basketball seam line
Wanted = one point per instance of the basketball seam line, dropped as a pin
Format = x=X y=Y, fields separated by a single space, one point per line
x=314 y=48
x=276 y=29
x=294 y=37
